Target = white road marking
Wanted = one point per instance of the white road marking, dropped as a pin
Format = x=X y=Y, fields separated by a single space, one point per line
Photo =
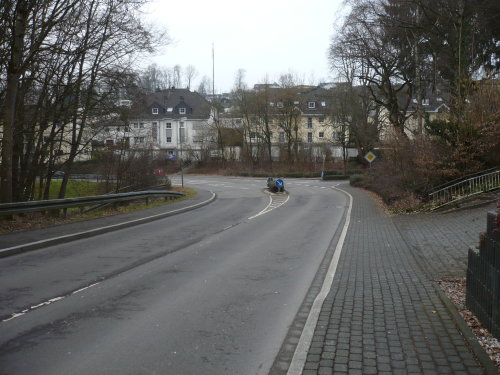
x=275 y=201
x=300 y=355
x=46 y=303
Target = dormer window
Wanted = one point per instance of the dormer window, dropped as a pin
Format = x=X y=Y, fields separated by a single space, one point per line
x=170 y=109
x=155 y=111
x=323 y=104
x=182 y=111
x=311 y=105
x=425 y=101
x=279 y=104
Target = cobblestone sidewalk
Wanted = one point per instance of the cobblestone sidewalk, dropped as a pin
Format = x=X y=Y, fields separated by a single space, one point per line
x=383 y=314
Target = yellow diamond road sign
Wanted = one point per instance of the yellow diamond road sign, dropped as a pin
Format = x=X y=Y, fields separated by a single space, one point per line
x=370 y=156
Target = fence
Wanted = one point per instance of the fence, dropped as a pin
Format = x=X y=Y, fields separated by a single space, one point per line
x=469 y=186
x=483 y=278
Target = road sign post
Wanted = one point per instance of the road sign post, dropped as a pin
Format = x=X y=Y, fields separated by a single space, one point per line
x=370 y=157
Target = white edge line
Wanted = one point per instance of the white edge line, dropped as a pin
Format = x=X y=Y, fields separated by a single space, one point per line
x=300 y=355
x=103 y=229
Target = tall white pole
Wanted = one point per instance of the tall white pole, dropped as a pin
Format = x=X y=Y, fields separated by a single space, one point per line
x=213 y=72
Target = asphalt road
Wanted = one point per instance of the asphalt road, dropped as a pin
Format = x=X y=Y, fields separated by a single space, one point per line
x=210 y=291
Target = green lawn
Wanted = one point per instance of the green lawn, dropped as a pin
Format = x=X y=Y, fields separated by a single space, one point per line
x=76 y=189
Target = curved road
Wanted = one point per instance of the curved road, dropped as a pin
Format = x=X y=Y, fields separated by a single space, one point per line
x=210 y=291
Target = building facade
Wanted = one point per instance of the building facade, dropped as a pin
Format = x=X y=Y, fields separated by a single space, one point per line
x=174 y=122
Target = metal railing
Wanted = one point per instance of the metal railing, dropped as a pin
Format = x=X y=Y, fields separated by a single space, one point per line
x=465 y=188
x=57 y=204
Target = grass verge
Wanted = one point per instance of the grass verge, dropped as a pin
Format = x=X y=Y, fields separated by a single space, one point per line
x=38 y=221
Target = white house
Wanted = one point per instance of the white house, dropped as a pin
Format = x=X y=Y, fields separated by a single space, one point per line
x=174 y=121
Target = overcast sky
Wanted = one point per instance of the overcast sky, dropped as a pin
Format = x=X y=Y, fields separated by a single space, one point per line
x=263 y=37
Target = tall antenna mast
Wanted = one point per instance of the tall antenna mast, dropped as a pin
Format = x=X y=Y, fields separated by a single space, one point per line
x=213 y=71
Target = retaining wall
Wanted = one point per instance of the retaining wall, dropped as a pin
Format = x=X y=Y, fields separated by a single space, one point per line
x=483 y=278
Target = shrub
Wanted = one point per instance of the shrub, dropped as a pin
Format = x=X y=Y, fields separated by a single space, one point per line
x=335 y=177
x=357 y=179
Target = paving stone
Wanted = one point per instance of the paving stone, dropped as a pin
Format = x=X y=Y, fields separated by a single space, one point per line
x=340 y=367
x=383 y=313
x=325 y=371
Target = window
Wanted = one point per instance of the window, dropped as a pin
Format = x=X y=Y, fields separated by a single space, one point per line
x=321 y=135
x=106 y=129
x=154 y=132
x=279 y=104
x=170 y=109
x=182 y=111
x=323 y=104
x=253 y=135
x=309 y=137
x=182 y=132
x=141 y=125
x=136 y=125
x=138 y=140
x=281 y=137
x=425 y=101
x=155 y=111
x=309 y=123
x=321 y=120
x=169 y=139
x=311 y=105
x=109 y=142
x=169 y=125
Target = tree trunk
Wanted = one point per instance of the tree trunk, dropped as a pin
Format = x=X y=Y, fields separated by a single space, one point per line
x=9 y=110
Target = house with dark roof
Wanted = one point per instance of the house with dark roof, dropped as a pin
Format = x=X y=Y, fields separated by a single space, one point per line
x=430 y=105
x=174 y=121
x=299 y=115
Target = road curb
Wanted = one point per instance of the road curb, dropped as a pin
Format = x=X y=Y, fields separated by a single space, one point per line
x=93 y=232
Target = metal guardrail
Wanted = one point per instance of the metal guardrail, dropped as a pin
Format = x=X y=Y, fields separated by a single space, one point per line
x=466 y=188
x=56 y=204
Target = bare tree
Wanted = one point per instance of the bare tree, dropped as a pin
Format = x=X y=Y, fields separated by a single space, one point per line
x=177 y=76
x=204 y=86
x=190 y=74
x=66 y=61
x=382 y=58
x=287 y=112
x=33 y=22
x=239 y=81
